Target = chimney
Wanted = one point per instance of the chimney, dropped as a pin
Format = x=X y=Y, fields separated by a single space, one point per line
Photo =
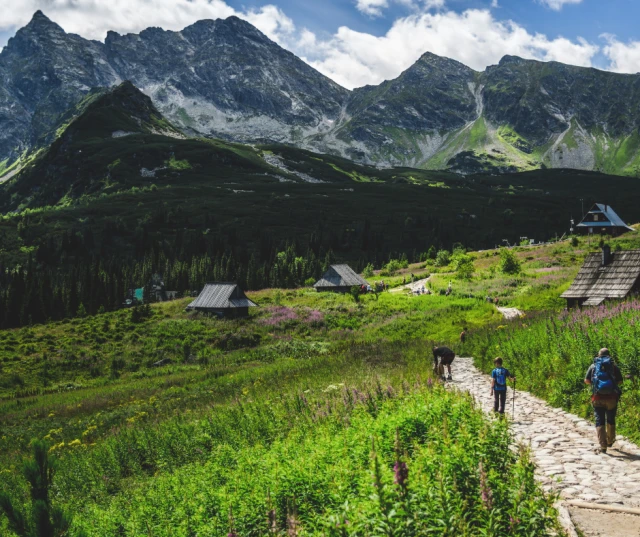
x=606 y=255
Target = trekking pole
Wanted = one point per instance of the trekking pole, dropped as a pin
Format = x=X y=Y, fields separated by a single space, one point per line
x=513 y=408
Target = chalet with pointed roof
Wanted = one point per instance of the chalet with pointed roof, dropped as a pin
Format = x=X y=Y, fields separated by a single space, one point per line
x=602 y=219
x=605 y=276
x=339 y=278
x=223 y=300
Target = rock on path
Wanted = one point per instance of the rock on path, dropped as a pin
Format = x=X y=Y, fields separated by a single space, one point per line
x=510 y=313
x=563 y=445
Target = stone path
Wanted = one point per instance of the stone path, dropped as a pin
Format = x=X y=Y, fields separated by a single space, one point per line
x=563 y=445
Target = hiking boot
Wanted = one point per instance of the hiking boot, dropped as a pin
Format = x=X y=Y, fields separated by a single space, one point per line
x=611 y=434
x=449 y=377
x=602 y=450
x=602 y=437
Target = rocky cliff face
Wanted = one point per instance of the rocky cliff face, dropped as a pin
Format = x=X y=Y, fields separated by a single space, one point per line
x=226 y=79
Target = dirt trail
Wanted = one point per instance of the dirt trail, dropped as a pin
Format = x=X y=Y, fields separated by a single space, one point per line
x=563 y=446
x=413 y=287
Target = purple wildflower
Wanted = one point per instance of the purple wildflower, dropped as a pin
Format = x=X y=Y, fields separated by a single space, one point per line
x=485 y=491
x=400 y=474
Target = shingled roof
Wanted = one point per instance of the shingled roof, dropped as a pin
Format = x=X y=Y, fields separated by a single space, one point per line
x=613 y=280
x=606 y=218
x=217 y=296
x=340 y=276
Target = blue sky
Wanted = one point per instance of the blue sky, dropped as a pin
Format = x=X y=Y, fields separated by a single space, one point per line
x=359 y=42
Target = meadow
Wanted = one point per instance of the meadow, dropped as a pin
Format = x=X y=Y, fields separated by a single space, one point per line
x=317 y=415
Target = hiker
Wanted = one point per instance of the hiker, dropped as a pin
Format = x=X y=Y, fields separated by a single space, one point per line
x=604 y=377
x=499 y=377
x=463 y=335
x=404 y=280
x=446 y=356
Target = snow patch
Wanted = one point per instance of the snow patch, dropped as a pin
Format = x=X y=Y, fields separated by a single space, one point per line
x=121 y=134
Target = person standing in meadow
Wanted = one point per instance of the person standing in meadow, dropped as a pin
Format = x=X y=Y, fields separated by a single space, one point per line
x=446 y=356
x=463 y=335
x=499 y=377
x=605 y=378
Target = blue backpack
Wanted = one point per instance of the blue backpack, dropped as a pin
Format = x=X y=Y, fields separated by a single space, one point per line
x=501 y=377
x=603 y=379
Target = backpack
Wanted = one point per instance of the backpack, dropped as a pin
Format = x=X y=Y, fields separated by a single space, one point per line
x=603 y=379
x=501 y=377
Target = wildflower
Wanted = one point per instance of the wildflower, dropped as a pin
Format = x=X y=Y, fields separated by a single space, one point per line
x=485 y=491
x=400 y=474
x=429 y=383
x=273 y=521
x=513 y=522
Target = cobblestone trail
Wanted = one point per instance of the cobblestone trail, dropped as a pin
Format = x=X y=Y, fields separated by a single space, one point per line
x=563 y=445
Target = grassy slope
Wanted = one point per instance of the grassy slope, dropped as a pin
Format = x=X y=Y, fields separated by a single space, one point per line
x=98 y=392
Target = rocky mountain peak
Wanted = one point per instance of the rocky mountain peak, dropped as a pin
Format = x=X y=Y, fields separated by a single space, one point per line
x=40 y=24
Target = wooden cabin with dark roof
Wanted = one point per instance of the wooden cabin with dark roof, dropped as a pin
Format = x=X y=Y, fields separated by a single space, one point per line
x=223 y=300
x=605 y=276
x=340 y=279
x=602 y=219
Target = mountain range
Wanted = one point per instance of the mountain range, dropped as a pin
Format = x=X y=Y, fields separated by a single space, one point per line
x=225 y=79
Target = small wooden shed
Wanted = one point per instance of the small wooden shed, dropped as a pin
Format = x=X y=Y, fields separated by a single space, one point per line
x=605 y=276
x=340 y=279
x=222 y=299
x=601 y=218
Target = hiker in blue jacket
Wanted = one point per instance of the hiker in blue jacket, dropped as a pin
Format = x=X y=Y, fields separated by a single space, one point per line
x=605 y=378
x=499 y=378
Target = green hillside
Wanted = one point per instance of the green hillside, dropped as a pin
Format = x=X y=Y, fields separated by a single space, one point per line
x=121 y=195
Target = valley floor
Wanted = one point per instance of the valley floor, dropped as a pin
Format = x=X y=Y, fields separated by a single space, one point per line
x=563 y=447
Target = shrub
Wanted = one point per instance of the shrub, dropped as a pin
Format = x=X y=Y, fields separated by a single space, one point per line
x=463 y=265
x=355 y=293
x=368 y=271
x=443 y=258
x=509 y=263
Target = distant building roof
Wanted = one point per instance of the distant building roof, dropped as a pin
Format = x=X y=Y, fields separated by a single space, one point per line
x=602 y=216
x=221 y=296
x=613 y=280
x=340 y=276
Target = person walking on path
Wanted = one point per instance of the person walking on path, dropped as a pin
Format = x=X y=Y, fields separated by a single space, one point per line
x=605 y=378
x=463 y=335
x=499 y=377
x=446 y=356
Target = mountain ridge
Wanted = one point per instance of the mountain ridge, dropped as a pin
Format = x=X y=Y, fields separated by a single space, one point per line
x=225 y=79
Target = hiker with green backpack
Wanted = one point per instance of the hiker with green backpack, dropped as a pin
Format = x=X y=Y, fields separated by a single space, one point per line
x=605 y=378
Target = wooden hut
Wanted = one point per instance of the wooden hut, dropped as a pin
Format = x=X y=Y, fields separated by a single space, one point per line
x=223 y=300
x=340 y=279
x=602 y=219
x=605 y=276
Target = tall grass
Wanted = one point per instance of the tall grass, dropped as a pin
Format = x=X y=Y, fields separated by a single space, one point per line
x=550 y=355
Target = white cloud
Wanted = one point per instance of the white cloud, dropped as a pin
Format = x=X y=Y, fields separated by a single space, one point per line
x=473 y=37
x=623 y=57
x=557 y=5
x=374 y=8
x=494 y=4
x=93 y=18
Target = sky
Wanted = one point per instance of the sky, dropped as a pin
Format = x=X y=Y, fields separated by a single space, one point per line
x=359 y=42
